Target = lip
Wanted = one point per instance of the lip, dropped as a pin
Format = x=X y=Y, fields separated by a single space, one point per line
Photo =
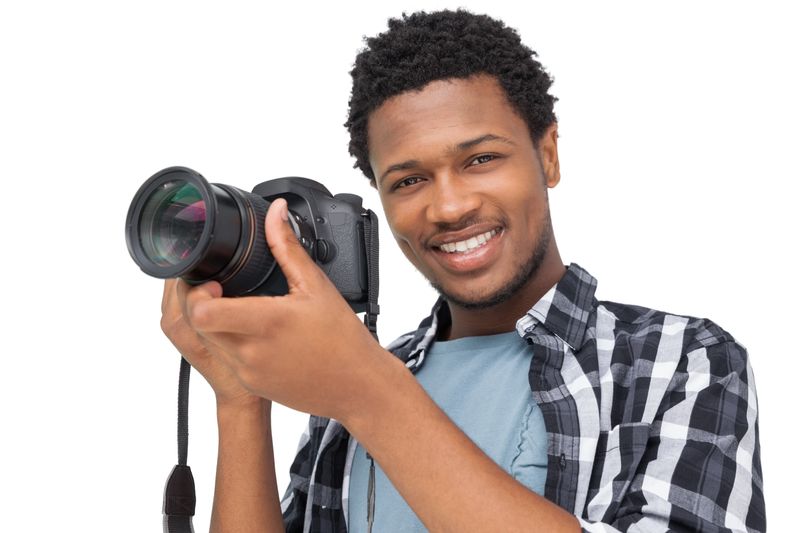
x=463 y=235
x=472 y=260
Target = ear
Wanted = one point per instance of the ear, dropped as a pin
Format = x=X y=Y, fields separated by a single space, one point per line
x=548 y=155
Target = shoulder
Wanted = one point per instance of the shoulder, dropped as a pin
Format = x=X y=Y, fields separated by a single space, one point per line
x=681 y=351
x=645 y=327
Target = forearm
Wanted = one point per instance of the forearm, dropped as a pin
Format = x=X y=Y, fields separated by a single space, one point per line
x=246 y=495
x=445 y=478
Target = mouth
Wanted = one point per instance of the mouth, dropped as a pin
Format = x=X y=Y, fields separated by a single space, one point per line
x=469 y=254
x=468 y=244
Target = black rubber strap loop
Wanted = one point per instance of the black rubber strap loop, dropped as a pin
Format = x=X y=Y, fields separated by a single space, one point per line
x=178 y=524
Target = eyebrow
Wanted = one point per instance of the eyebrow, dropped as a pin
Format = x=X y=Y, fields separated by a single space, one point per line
x=465 y=145
x=478 y=140
x=405 y=165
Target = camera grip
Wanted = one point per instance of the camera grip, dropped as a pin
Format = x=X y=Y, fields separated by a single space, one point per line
x=349 y=270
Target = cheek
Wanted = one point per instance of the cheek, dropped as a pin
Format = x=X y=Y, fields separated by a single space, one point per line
x=409 y=253
x=397 y=225
x=402 y=219
x=530 y=208
x=400 y=228
x=405 y=227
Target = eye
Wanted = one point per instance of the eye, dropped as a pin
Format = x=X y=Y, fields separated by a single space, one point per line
x=481 y=159
x=406 y=182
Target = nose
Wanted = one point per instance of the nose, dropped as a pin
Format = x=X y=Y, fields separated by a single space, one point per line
x=453 y=200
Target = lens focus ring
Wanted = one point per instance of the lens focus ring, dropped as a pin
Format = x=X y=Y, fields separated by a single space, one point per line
x=256 y=263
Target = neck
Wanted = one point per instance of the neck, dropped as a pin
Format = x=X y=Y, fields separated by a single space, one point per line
x=502 y=318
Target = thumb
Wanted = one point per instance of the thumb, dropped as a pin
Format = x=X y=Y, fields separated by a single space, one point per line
x=284 y=245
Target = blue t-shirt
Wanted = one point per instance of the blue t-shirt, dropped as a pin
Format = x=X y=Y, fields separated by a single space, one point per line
x=482 y=385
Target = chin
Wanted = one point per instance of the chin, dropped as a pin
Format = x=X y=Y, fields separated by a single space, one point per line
x=475 y=300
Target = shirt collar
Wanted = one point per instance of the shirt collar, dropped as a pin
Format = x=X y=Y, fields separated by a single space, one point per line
x=564 y=311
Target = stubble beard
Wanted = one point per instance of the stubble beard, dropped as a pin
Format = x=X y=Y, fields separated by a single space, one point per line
x=523 y=275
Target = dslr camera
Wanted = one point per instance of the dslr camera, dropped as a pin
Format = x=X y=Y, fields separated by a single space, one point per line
x=180 y=225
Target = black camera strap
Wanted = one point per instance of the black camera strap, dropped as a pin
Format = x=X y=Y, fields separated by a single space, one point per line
x=179 y=493
x=371 y=321
x=371 y=244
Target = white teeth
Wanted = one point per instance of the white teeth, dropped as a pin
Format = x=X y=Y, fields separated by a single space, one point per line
x=469 y=244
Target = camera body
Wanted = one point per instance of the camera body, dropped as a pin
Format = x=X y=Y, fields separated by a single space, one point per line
x=331 y=229
x=179 y=225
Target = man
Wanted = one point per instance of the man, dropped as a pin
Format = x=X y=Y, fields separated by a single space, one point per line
x=530 y=405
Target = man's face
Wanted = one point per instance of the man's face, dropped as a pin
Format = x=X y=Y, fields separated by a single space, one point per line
x=463 y=187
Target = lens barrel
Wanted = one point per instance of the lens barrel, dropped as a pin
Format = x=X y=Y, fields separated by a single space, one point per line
x=179 y=225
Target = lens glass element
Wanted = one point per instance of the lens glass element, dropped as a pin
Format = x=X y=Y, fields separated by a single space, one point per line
x=172 y=222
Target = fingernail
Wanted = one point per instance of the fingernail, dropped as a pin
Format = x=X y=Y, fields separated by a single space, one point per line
x=284 y=211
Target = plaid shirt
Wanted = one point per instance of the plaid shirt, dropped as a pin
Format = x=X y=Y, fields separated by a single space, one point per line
x=651 y=420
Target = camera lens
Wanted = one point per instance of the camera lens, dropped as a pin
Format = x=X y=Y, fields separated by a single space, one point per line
x=179 y=225
x=172 y=221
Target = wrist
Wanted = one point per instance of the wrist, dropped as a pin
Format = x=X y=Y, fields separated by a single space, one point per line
x=378 y=395
x=244 y=404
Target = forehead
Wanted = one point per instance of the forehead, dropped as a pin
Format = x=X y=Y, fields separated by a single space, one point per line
x=440 y=115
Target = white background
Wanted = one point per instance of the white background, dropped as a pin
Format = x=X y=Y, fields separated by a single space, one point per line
x=679 y=178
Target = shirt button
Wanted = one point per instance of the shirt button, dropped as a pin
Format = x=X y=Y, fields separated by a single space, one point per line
x=563 y=462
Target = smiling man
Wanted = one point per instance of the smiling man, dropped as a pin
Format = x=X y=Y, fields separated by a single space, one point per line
x=522 y=403
x=467 y=202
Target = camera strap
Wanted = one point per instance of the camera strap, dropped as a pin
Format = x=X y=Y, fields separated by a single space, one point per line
x=371 y=242
x=179 y=494
x=371 y=321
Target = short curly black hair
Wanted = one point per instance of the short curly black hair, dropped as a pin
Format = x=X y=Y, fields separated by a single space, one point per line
x=425 y=47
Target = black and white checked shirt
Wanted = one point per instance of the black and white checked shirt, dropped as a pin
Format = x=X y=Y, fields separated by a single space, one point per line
x=651 y=419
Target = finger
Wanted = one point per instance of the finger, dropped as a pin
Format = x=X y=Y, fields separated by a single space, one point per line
x=293 y=259
x=194 y=299
x=247 y=315
x=168 y=297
